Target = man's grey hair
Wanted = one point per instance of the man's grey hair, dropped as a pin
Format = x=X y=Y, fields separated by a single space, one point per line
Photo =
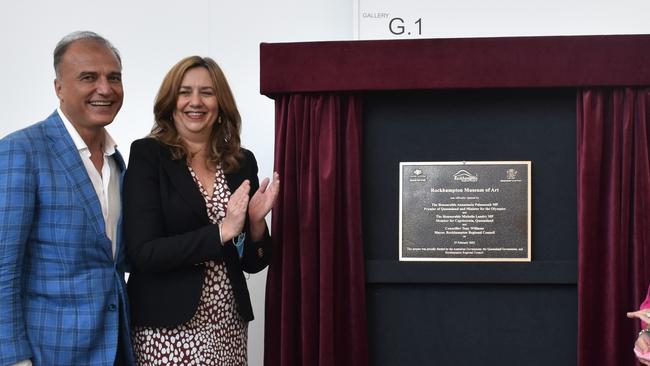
x=69 y=39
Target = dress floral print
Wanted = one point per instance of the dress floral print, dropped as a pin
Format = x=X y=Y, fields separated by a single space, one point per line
x=216 y=334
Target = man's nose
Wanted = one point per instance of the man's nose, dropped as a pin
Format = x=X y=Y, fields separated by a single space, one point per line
x=103 y=86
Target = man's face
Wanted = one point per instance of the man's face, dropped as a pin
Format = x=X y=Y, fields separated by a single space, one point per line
x=89 y=85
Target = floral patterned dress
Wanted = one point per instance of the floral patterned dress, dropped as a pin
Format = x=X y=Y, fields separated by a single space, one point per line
x=216 y=334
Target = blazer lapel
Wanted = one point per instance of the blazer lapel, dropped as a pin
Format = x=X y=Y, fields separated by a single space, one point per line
x=120 y=240
x=234 y=180
x=181 y=178
x=66 y=154
x=120 y=165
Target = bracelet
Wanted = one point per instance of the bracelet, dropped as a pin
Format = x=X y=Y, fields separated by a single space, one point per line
x=238 y=242
x=644 y=331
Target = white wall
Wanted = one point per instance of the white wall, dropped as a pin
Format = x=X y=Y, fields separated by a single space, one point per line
x=498 y=18
x=153 y=34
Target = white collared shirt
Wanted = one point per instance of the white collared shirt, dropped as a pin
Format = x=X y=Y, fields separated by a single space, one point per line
x=106 y=184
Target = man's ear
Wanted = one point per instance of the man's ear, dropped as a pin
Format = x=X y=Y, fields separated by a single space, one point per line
x=57 y=88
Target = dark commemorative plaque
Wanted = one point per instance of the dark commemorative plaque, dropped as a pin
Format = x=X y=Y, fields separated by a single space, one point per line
x=465 y=211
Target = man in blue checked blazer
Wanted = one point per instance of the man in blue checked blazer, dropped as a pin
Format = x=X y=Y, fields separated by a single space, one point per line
x=62 y=290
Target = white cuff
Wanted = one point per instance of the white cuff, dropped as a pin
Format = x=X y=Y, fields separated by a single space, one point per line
x=23 y=363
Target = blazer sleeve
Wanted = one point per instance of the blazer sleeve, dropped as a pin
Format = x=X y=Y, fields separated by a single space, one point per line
x=17 y=200
x=257 y=255
x=149 y=247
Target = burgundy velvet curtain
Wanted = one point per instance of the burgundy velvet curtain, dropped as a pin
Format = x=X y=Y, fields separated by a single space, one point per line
x=613 y=220
x=315 y=296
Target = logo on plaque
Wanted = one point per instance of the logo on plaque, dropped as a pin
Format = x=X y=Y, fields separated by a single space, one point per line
x=465 y=176
x=417 y=176
x=511 y=176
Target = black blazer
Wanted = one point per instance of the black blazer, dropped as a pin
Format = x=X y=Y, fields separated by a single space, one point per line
x=168 y=234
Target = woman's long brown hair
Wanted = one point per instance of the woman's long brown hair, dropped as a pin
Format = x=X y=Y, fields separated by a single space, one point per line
x=224 y=139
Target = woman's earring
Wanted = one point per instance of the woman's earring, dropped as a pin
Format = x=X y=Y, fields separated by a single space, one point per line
x=219 y=120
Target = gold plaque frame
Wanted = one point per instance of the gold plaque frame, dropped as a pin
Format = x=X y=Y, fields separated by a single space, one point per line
x=470 y=211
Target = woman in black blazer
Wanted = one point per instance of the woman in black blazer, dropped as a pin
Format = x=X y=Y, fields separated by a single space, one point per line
x=189 y=239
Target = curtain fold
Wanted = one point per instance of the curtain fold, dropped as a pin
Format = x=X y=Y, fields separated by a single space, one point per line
x=613 y=177
x=315 y=295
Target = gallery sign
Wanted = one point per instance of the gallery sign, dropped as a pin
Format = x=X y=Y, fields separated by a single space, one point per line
x=387 y=19
x=465 y=211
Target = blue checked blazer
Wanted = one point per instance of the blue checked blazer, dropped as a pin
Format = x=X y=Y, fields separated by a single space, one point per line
x=60 y=289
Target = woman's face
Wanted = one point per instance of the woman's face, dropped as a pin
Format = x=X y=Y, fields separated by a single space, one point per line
x=196 y=107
